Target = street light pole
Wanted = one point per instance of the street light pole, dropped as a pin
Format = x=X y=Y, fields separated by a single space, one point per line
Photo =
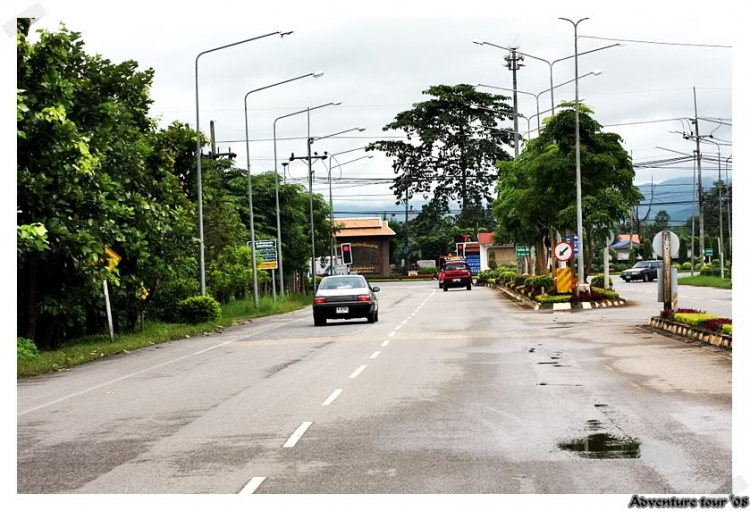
x=721 y=213
x=317 y=74
x=551 y=64
x=579 y=207
x=198 y=151
x=276 y=171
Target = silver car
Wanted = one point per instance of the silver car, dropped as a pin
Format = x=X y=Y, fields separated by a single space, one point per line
x=345 y=297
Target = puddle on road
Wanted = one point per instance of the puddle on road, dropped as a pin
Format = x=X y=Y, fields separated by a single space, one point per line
x=603 y=446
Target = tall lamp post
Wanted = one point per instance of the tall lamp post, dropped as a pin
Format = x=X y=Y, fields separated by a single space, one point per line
x=551 y=64
x=317 y=74
x=330 y=183
x=536 y=96
x=276 y=172
x=721 y=215
x=198 y=149
x=579 y=208
x=310 y=141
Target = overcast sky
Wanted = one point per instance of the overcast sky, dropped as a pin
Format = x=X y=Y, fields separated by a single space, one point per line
x=379 y=67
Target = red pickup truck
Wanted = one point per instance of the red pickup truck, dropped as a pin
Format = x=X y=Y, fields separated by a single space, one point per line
x=455 y=274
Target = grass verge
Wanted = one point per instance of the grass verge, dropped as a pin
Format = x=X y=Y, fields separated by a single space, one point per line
x=86 y=349
x=706 y=281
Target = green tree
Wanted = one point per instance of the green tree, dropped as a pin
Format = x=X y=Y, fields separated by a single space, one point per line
x=661 y=221
x=451 y=148
x=531 y=202
x=92 y=172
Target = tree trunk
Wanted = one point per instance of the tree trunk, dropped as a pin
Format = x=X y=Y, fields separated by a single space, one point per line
x=30 y=311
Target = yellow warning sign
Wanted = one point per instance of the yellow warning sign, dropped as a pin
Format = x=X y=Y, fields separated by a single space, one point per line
x=268 y=265
x=564 y=280
x=112 y=258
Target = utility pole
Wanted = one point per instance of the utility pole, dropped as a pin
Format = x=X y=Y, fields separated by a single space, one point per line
x=405 y=270
x=692 y=226
x=700 y=180
x=310 y=157
x=514 y=62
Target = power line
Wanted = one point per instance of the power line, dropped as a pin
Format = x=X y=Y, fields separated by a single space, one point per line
x=655 y=42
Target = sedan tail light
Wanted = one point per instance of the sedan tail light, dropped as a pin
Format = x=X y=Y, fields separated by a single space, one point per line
x=363 y=298
x=320 y=299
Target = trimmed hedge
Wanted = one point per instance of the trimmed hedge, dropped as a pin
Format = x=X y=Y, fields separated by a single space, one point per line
x=545 y=298
x=598 y=281
x=199 y=309
x=540 y=281
x=695 y=320
x=610 y=295
x=726 y=329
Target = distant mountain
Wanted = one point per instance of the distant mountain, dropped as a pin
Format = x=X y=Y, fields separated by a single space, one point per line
x=674 y=196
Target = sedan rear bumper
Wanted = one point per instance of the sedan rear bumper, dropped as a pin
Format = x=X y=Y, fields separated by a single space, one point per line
x=356 y=310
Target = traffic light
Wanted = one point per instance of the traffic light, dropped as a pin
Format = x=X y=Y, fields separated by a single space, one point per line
x=346 y=253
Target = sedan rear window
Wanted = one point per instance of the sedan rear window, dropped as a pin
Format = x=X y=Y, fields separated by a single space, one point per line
x=342 y=283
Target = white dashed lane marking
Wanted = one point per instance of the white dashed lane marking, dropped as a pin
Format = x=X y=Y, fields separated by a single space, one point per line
x=333 y=396
x=357 y=372
x=385 y=343
x=297 y=434
x=375 y=355
x=398 y=327
x=252 y=485
x=391 y=334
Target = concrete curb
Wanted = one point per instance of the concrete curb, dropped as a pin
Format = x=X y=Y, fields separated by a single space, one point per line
x=689 y=332
x=564 y=306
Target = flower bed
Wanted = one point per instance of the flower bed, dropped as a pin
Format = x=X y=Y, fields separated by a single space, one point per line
x=699 y=319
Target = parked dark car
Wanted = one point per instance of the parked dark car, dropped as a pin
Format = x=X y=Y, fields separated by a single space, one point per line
x=643 y=270
x=345 y=297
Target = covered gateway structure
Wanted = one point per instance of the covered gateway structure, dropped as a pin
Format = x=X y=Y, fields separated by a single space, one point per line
x=371 y=243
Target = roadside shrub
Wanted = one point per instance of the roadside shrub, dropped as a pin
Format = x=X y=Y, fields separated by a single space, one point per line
x=685 y=266
x=706 y=270
x=609 y=294
x=520 y=280
x=589 y=296
x=547 y=298
x=598 y=281
x=670 y=314
x=490 y=281
x=318 y=280
x=425 y=271
x=698 y=266
x=199 y=309
x=539 y=282
x=695 y=320
x=508 y=276
x=717 y=324
x=25 y=349
x=726 y=329
x=507 y=267
x=169 y=293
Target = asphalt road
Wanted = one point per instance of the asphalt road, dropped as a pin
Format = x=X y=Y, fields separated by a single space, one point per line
x=710 y=299
x=457 y=392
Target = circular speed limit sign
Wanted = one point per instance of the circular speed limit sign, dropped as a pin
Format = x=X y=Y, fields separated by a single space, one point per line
x=563 y=251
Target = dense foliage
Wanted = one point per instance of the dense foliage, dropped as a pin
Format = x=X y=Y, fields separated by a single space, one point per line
x=537 y=192
x=95 y=171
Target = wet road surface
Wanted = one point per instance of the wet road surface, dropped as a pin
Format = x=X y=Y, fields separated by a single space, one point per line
x=457 y=392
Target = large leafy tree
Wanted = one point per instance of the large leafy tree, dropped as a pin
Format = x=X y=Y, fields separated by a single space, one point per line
x=451 y=149
x=92 y=172
x=537 y=192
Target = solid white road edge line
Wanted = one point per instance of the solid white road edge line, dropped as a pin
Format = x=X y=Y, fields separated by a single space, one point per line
x=252 y=485
x=375 y=355
x=157 y=366
x=297 y=434
x=333 y=396
x=385 y=343
x=356 y=373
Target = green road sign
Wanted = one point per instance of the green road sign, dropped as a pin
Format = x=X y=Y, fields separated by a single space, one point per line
x=522 y=251
x=709 y=252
